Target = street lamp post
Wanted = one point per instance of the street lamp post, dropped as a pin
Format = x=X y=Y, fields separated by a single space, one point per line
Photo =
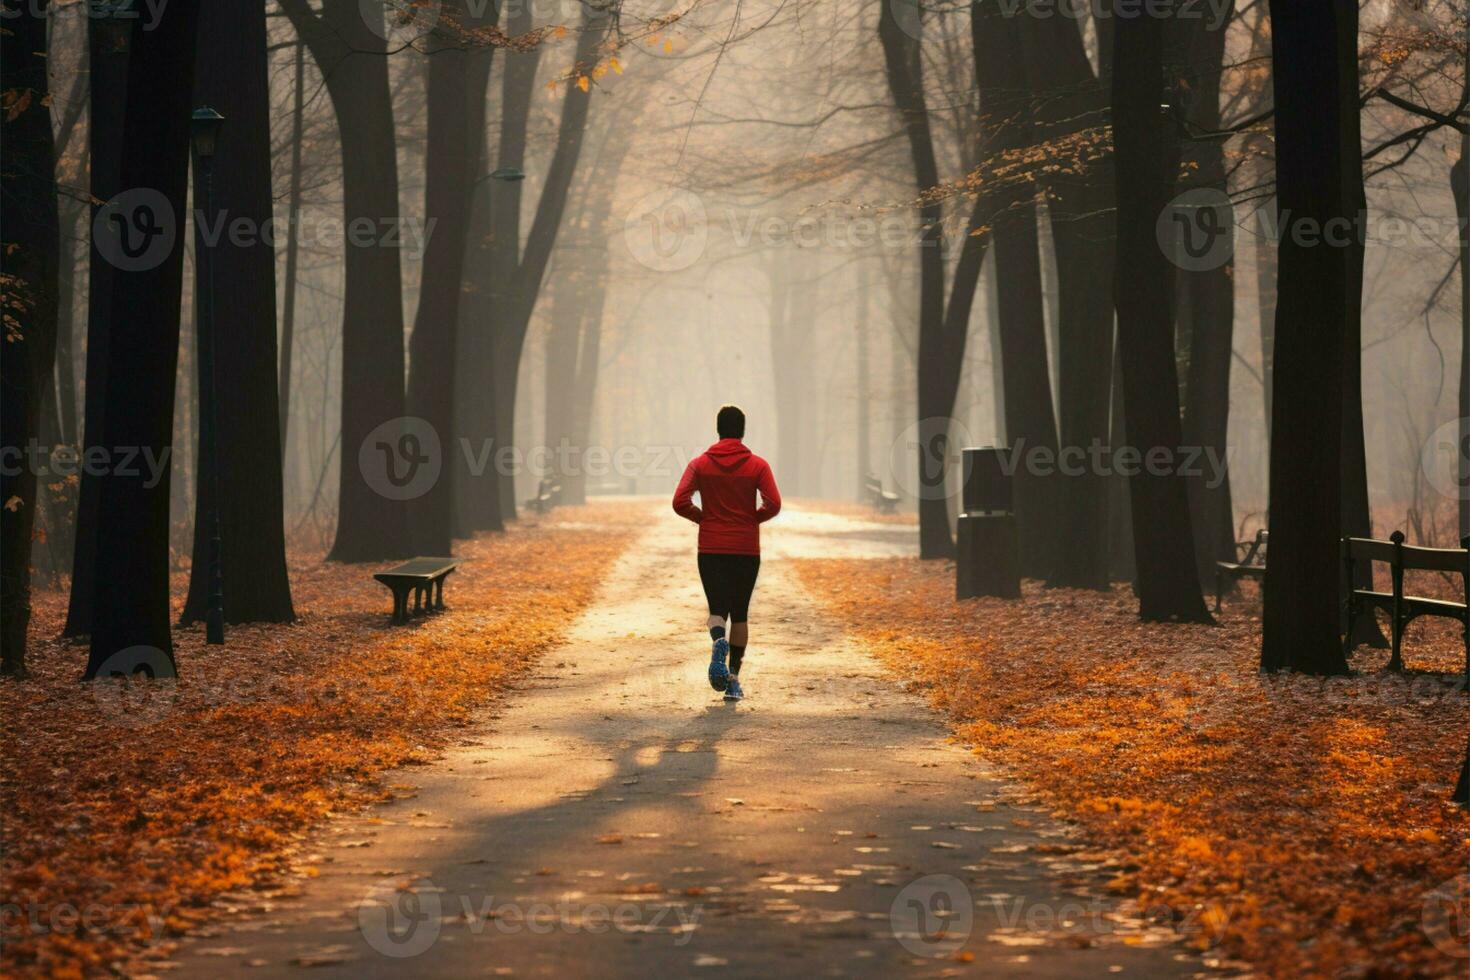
x=204 y=132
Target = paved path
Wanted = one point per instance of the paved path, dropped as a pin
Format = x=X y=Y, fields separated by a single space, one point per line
x=616 y=818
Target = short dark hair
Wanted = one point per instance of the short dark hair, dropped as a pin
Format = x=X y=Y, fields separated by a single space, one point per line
x=730 y=423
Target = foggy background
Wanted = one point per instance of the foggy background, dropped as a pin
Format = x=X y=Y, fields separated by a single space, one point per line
x=758 y=247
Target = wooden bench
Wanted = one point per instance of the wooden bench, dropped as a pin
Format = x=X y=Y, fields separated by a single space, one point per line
x=884 y=501
x=1404 y=609
x=1252 y=565
x=548 y=495
x=424 y=577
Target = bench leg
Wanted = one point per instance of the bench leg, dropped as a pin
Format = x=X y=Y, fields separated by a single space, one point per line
x=1218 y=589
x=1396 y=661
x=439 y=593
x=400 y=605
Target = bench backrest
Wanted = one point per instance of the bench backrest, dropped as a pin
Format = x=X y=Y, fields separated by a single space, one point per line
x=1407 y=557
x=1253 y=551
x=872 y=485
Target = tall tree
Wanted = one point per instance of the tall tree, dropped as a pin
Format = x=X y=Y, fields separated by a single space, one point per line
x=293 y=243
x=1167 y=586
x=943 y=329
x=1072 y=102
x=346 y=40
x=30 y=250
x=1460 y=187
x=231 y=76
x=1319 y=185
x=131 y=624
x=1207 y=300
x=482 y=485
x=455 y=78
x=1030 y=421
x=502 y=257
x=108 y=43
x=575 y=342
x=476 y=489
x=517 y=269
x=795 y=282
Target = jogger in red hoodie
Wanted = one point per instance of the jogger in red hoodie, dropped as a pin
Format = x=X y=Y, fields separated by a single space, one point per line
x=727 y=478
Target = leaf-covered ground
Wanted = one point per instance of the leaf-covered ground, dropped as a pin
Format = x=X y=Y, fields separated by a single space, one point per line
x=1302 y=826
x=129 y=811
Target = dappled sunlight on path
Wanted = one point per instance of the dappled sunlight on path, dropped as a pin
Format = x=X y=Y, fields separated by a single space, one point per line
x=618 y=819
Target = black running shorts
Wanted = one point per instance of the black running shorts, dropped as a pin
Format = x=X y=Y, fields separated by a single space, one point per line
x=729 y=581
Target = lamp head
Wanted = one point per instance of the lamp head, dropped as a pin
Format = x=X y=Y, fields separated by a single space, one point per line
x=204 y=128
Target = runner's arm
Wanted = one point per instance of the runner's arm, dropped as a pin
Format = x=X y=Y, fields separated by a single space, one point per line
x=684 y=504
x=770 y=497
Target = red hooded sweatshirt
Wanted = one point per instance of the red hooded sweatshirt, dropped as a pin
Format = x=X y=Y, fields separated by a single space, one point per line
x=727 y=477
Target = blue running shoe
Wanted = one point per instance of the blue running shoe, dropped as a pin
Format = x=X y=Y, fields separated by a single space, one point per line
x=719 y=675
x=734 y=692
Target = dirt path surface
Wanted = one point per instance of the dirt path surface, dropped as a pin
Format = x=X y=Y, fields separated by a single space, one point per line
x=616 y=818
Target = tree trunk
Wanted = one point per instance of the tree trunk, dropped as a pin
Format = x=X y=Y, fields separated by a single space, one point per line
x=66 y=379
x=1357 y=517
x=131 y=625
x=476 y=496
x=573 y=348
x=1319 y=179
x=521 y=282
x=584 y=386
x=563 y=343
x=791 y=307
x=60 y=497
x=1029 y=422
x=231 y=76
x=1460 y=186
x=352 y=59
x=1080 y=208
x=1164 y=550
x=942 y=331
x=1029 y=419
x=1208 y=296
x=108 y=66
x=1266 y=307
x=449 y=161
x=1460 y=183
x=1121 y=566
x=518 y=85
x=30 y=262
x=293 y=246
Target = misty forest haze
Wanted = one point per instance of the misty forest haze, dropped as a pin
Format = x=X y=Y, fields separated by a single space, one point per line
x=1112 y=358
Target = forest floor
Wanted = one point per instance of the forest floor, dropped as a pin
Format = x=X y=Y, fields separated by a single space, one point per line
x=132 y=814
x=1305 y=825
x=615 y=817
x=541 y=781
